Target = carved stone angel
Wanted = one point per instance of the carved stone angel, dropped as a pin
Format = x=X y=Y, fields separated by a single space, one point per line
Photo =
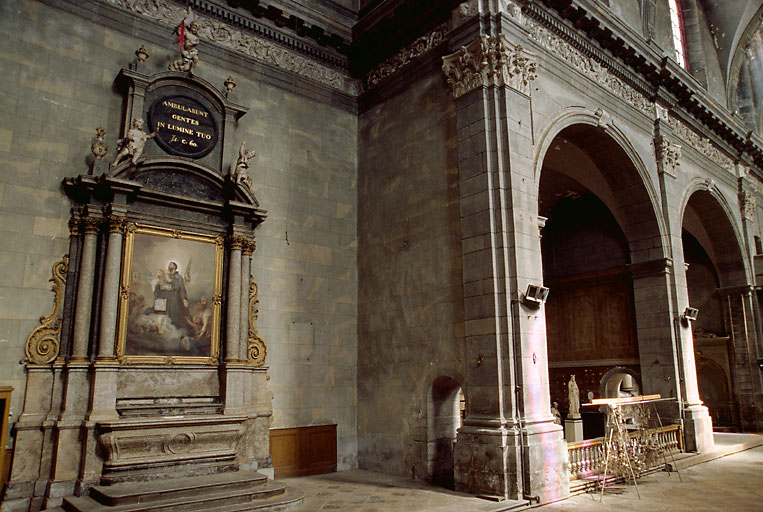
x=133 y=143
x=187 y=35
x=240 y=172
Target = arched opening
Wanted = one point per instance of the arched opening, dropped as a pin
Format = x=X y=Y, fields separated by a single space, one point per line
x=620 y=382
x=445 y=406
x=713 y=263
x=600 y=220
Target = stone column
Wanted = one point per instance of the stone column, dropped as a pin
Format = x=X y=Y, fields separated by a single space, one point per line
x=232 y=339
x=234 y=367
x=110 y=301
x=246 y=277
x=509 y=444
x=104 y=387
x=83 y=310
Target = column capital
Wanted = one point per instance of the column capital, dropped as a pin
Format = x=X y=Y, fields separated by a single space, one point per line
x=248 y=247
x=238 y=242
x=116 y=223
x=90 y=225
x=490 y=61
x=668 y=155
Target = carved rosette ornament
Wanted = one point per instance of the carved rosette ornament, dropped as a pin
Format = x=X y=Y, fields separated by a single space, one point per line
x=42 y=345
x=488 y=61
x=257 y=350
x=668 y=155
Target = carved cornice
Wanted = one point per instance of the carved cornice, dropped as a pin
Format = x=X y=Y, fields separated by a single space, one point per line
x=488 y=61
x=407 y=55
x=587 y=65
x=668 y=155
x=701 y=144
x=42 y=344
x=226 y=35
x=602 y=36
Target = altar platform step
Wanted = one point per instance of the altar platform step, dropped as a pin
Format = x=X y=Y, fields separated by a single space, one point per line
x=228 y=492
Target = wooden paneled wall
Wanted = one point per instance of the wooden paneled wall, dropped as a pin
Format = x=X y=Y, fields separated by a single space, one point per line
x=303 y=451
x=591 y=317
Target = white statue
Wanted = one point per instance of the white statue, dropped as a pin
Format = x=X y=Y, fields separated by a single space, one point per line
x=240 y=173
x=556 y=413
x=573 y=393
x=133 y=143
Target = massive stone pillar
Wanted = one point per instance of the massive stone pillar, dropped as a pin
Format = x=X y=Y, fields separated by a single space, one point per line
x=508 y=444
x=661 y=294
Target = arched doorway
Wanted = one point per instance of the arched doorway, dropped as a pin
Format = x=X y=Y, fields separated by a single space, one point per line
x=714 y=272
x=600 y=221
x=445 y=406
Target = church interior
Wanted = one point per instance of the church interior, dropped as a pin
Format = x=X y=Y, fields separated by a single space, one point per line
x=482 y=244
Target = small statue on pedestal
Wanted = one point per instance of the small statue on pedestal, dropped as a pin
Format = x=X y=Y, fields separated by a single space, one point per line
x=573 y=393
x=133 y=143
x=240 y=172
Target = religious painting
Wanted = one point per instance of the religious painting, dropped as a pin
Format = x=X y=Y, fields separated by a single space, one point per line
x=169 y=310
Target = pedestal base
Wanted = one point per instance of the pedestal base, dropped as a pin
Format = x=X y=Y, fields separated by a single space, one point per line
x=504 y=462
x=698 y=429
x=573 y=430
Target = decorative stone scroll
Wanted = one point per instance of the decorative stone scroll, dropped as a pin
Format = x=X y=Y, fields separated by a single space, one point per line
x=490 y=60
x=257 y=350
x=225 y=35
x=42 y=345
x=588 y=66
x=701 y=144
x=668 y=155
x=405 y=56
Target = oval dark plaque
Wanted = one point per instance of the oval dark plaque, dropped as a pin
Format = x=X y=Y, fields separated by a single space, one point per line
x=185 y=127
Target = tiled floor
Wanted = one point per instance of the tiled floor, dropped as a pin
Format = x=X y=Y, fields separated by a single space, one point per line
x=733 y=483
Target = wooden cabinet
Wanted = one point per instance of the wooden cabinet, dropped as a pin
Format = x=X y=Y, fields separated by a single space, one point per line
x=303 y=451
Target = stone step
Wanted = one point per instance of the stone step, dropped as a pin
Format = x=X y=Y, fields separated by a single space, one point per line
x=134 y=492
x=263 y=496
x=289 y=500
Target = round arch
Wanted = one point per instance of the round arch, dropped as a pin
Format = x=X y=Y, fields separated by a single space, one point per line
x=727 y=242
x=634 y=199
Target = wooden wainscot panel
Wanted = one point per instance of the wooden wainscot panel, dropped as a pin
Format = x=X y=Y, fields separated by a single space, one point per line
x=302 y=451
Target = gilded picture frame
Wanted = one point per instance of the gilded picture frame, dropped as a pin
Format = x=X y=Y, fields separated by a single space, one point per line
x=170 y=297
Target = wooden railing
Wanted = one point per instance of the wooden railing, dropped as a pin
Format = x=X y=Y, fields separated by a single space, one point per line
x=587 y=458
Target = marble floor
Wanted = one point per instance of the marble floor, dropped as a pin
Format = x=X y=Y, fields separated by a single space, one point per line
x=729 y=482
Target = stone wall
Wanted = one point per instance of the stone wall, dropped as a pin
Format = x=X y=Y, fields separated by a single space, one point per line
x=56 y=86
x=410 y=301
